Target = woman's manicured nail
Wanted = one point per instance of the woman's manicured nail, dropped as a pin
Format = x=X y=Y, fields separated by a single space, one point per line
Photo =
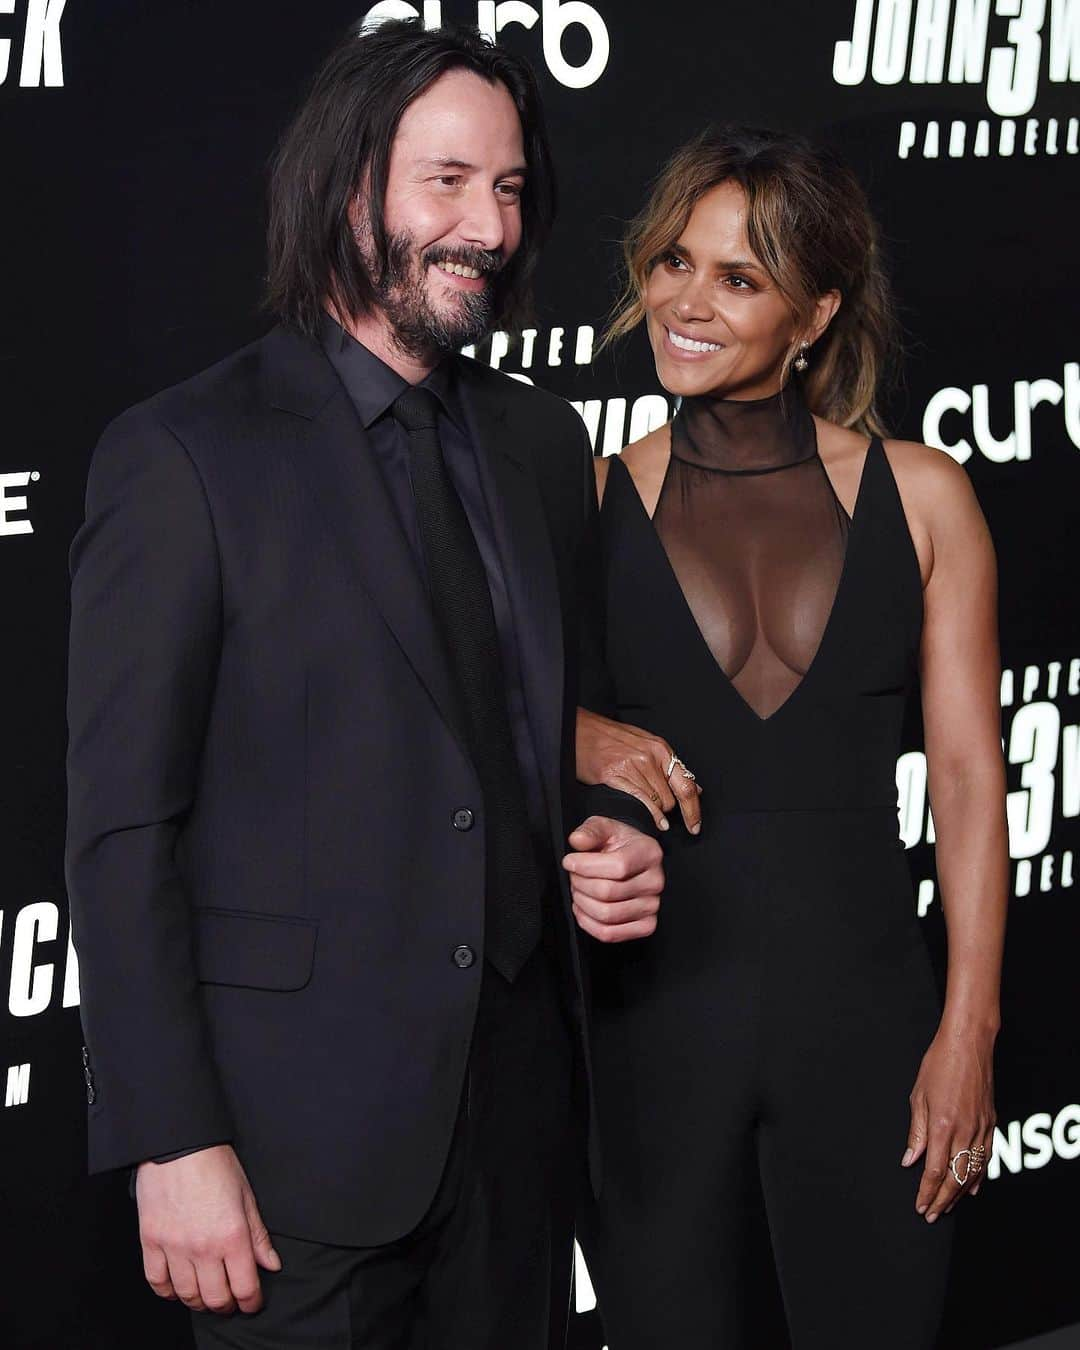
x=920 y=1209
x=931 y=1218
x=908 y=1158
x=664 y=823
x=695 y=829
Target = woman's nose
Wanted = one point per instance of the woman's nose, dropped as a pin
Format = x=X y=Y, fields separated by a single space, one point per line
x=692 y=301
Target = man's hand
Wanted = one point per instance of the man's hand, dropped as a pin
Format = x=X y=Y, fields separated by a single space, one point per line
x=616 y=879
x=201 y=1232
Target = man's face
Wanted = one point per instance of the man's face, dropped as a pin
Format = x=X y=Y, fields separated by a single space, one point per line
x=452 y=212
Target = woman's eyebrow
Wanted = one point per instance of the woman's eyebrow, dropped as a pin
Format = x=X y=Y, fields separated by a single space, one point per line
x=738 y=265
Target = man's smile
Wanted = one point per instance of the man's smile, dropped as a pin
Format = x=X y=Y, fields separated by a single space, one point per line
x=461 y=276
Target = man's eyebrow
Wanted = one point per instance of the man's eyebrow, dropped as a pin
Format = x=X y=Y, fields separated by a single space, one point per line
x=445 y=162
x=448 y=162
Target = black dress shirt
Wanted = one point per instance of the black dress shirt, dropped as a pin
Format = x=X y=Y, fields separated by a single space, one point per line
x=373 y=387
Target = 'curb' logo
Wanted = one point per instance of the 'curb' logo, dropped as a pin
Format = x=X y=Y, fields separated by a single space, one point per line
x=554 y=16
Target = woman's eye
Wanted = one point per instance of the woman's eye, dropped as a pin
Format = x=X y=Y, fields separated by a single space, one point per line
x=739 y=283
x=673 y=261
x=449 y=179
x=509 y=190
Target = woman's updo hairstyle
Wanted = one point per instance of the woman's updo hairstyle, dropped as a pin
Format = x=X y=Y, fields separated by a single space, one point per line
x=809 y=224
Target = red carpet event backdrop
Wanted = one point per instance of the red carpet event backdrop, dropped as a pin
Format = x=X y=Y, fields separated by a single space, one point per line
x=135 y=140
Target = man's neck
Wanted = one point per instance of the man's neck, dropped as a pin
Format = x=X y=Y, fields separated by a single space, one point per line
x=377 y=336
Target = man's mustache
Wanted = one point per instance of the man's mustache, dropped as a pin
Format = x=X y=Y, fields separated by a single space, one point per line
x=485 y=261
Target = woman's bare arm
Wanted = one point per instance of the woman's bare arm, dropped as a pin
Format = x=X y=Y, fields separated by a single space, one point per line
x=616 y=753
x=952 y=1103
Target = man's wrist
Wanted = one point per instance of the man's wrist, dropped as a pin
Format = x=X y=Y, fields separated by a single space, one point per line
x=169 y=1157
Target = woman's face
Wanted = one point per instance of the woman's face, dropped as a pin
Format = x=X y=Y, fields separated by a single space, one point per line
x=716 y=321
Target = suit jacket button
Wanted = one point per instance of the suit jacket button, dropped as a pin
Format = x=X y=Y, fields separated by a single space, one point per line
x=462 y=818
x=464 y=957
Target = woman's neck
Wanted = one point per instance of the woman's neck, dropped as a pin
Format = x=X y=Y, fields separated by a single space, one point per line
x=744 y=435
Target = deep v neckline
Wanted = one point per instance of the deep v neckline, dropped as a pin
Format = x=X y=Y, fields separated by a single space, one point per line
x=834 y=609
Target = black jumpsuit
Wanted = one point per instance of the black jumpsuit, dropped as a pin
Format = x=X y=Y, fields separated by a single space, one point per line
x=754 y=1057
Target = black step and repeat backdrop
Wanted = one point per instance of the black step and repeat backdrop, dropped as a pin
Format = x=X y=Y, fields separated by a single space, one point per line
x=133 y=143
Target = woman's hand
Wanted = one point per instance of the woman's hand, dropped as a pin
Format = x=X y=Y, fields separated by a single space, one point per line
x=952 y=1108
x=634 y=761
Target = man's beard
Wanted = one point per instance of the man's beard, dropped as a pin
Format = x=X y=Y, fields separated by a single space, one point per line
x=420 y=330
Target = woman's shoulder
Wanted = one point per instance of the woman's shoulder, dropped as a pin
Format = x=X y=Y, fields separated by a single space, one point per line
x=925 y=469
x=644 y=454
x=927 y=479
x=941 y=507
x=936 y=493
x=646 y=462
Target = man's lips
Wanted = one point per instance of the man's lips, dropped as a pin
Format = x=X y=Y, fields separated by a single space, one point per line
x=461 y=276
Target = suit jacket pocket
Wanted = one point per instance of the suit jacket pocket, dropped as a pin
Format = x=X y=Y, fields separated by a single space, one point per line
x=256 y=951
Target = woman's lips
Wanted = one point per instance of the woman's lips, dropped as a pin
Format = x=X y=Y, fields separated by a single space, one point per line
x=683 y=347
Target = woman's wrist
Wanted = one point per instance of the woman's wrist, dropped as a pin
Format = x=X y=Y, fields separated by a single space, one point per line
x=965 y=1022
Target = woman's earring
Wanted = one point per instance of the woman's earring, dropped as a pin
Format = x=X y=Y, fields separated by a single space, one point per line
x=800 y=361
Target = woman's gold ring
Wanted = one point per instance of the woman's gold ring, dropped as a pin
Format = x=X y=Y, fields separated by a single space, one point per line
x=675 y=760
x=973 y=1165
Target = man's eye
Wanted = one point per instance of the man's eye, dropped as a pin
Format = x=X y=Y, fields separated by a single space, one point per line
x=449 y=179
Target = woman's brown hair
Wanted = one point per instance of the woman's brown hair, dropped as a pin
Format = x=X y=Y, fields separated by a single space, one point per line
x=809 y=224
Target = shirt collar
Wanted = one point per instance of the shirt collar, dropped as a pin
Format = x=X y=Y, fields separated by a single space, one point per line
x=370 y=382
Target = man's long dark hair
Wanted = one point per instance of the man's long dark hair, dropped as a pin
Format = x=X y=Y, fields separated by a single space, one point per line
x=339 y=144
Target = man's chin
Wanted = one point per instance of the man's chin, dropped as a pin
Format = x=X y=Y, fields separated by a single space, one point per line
x=458 y=324
x=458 y=306
x=433 y=342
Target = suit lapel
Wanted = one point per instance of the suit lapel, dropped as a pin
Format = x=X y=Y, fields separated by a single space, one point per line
x=353 y=502
x=521 y=534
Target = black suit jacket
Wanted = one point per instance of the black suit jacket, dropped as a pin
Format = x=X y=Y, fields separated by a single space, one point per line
x=266 y=880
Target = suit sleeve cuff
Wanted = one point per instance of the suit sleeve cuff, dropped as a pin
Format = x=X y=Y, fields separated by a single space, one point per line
x=600 y=800
x=168 y=1157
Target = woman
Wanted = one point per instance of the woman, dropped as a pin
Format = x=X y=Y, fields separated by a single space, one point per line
x=755 y=1055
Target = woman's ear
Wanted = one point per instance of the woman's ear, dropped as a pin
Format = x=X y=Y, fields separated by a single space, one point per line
x=824 y=312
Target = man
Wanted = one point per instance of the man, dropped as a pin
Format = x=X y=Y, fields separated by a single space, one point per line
x=327 y=610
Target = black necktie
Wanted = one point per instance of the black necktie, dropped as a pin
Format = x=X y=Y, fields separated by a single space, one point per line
x=457 y=583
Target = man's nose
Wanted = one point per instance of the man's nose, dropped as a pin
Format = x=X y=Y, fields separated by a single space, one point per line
x=483 y=223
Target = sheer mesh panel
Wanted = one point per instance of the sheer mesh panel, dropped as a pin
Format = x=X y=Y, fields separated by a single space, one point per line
x=755 y=536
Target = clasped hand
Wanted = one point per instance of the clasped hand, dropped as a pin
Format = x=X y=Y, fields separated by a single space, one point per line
x=616 y=879
x=635 y=761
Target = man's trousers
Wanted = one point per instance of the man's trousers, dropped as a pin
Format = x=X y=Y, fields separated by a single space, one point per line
x=489 y=1266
